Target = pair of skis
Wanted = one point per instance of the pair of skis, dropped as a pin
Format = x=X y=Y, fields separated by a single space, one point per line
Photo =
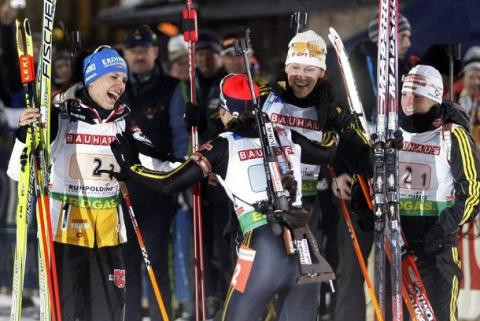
x=411 y=285
x=34 y=171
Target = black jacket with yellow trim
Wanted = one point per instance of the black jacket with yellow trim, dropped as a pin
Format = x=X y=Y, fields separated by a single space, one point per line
x=335 y=121
x=465 y=168
x=212 y=157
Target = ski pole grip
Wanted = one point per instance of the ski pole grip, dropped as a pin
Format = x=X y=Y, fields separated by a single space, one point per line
x=189 y=25
x=123 y=189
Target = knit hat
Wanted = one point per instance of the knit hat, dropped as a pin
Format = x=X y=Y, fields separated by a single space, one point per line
x=235 y=95
x=177 y=48
x=101 y=62
x=403 y=25
x=471 y=60
x=426 y=81
x=208 y=41
x=307 y=48
x=142 y=36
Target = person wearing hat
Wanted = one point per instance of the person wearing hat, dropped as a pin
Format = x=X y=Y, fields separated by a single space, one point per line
x=234 y=63
x=234 y=157
x=87 y=220
x=62 y=70
x=303 y=99
x=149 y=91
x=439 y=184
x=450 y=188
x=363 y=60
x=469 y=95
x=404 y=34
x=178 y=57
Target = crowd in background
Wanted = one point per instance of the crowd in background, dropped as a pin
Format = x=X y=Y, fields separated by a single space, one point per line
x=158 y=93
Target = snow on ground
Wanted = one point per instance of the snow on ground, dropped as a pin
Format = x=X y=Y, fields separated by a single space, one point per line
x=30 y=313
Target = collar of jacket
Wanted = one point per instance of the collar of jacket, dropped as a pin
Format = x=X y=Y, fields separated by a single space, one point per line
x=281 y=88
x=83 y=108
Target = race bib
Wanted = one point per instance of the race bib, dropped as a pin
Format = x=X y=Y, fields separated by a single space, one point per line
x=89 y=166
x=415 y=176
x=242 y=269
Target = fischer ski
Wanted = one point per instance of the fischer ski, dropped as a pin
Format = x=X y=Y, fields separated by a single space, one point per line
x=43 y=87
x=25 y=191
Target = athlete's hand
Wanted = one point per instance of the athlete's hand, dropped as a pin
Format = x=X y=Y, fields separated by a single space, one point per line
x=195 y=116
x=125 y=151
x=69 y=94
x=27 y=118
x=342 y=186
x=397 y=140
x=436 y=239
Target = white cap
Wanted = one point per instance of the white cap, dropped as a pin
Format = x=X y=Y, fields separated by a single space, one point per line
x=426 y=81
x=471 y=60
x=177 y=47
x=307 y=48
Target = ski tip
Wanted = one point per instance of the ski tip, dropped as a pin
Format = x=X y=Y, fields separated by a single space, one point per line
x=333 y=31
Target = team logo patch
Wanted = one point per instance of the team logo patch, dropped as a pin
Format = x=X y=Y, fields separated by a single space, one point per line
x=118 y=278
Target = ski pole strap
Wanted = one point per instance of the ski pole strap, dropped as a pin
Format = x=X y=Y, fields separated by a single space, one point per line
x=189 y=24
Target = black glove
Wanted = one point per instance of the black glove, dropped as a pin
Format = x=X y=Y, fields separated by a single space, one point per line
x=290 y=184
x=398 y=139
x=21 y=133
x=349 y=121
x=359 y=206
x=195 y=116
x=436 y=239
x=297 y=217
x=125 y=151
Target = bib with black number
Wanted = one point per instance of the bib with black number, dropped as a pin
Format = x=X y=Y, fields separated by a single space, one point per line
x=426 y=182
x=77 y=183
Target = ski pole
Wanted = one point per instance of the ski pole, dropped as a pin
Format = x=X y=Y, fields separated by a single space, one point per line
x=277 y=199
x=454 y=53
x=299 y=21
x=151 y=273
x=190 y=35
x=356 y=246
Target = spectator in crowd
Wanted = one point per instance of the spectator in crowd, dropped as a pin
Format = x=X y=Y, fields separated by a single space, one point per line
x=469 y=96
x=234 y=63
x=149 y=91
x=182 y=223
x=178 y=57
x=204 y=115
